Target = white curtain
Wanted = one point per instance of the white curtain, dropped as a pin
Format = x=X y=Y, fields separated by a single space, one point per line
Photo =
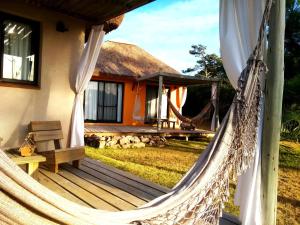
x=183 y=98
x=90 y=101
x=239 y=25
x=85 y=71
x=164 y=104
x=136 y=115
x=18 y=60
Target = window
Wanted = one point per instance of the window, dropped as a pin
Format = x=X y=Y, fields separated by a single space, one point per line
x=103 y=102
x=19 y=56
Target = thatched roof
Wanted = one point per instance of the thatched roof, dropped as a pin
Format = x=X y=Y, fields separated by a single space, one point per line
x=113 y=23
x=129 y=60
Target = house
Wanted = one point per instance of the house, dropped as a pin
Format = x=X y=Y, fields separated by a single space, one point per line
x=124 y=87
x=41 y=44
x=118 y=67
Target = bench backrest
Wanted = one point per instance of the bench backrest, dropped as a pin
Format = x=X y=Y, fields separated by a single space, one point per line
x=46 y=131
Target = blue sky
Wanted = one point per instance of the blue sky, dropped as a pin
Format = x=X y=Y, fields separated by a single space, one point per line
x=168 y=28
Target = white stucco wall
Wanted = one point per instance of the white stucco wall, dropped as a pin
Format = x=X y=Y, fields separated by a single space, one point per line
x=60 y=53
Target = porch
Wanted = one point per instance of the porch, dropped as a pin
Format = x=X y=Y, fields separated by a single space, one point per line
x=111 y=130
x=99 y=186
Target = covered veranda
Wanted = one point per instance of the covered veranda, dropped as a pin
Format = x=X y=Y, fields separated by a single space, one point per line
x=163 y=79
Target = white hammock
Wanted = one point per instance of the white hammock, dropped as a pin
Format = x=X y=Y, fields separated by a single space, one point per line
x=197 y=199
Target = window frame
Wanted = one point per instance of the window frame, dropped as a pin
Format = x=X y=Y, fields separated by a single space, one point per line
x=122 y=103
x=35 y=45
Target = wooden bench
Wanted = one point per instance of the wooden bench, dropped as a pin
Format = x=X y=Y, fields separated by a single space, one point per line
x=51 y=131
x=31 y=162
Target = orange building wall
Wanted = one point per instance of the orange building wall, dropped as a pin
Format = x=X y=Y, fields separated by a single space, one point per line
x=130 y=90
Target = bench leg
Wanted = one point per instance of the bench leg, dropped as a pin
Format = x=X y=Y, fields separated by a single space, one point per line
x=32 y=167
x=53 y=168
x=76 y=163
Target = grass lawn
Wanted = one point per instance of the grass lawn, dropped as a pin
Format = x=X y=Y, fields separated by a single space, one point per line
x=166 y=166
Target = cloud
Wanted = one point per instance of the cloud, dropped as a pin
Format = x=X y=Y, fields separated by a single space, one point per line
x=168 y=32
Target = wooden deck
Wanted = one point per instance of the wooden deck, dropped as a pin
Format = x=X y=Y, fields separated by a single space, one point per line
x=107 y=130
x=100 y=186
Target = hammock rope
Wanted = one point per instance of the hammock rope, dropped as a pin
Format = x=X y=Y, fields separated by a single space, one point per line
x=197 y=199
x=197 y=120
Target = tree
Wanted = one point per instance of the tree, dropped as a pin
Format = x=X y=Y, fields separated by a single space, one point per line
x=292 y=39
x=208 y=65
x=291 y=97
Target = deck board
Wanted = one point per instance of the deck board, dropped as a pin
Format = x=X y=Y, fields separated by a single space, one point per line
x=118 y=184
x=130 y=176
x=105 y=196
x=106 y=186
x=79 y=192
x=100 y=186
x=132 y=183
x=44 y=180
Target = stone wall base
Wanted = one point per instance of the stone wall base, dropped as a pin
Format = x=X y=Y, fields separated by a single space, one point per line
x=124 y=142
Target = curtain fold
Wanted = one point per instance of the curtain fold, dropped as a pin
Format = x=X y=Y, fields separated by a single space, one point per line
x=85 y=71
x=181 y=95
x=17 y=58
x=183 y=98
x=164 y=104
x=239 y=25
x=179 y=100
x=136 y=114
x=90 y=103
x=240 y=21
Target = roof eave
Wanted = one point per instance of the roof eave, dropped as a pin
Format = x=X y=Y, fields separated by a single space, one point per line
x=101 y=14
x=178 y=79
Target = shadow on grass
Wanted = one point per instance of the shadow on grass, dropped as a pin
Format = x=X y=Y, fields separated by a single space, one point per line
x=289 y=157
x=188 y=146
x=294 y=202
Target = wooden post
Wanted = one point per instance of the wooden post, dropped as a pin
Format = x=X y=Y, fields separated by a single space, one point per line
x=160 y=85
x=215 y=99
x=32 y=167
x=272 y=114
x=217 y=106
